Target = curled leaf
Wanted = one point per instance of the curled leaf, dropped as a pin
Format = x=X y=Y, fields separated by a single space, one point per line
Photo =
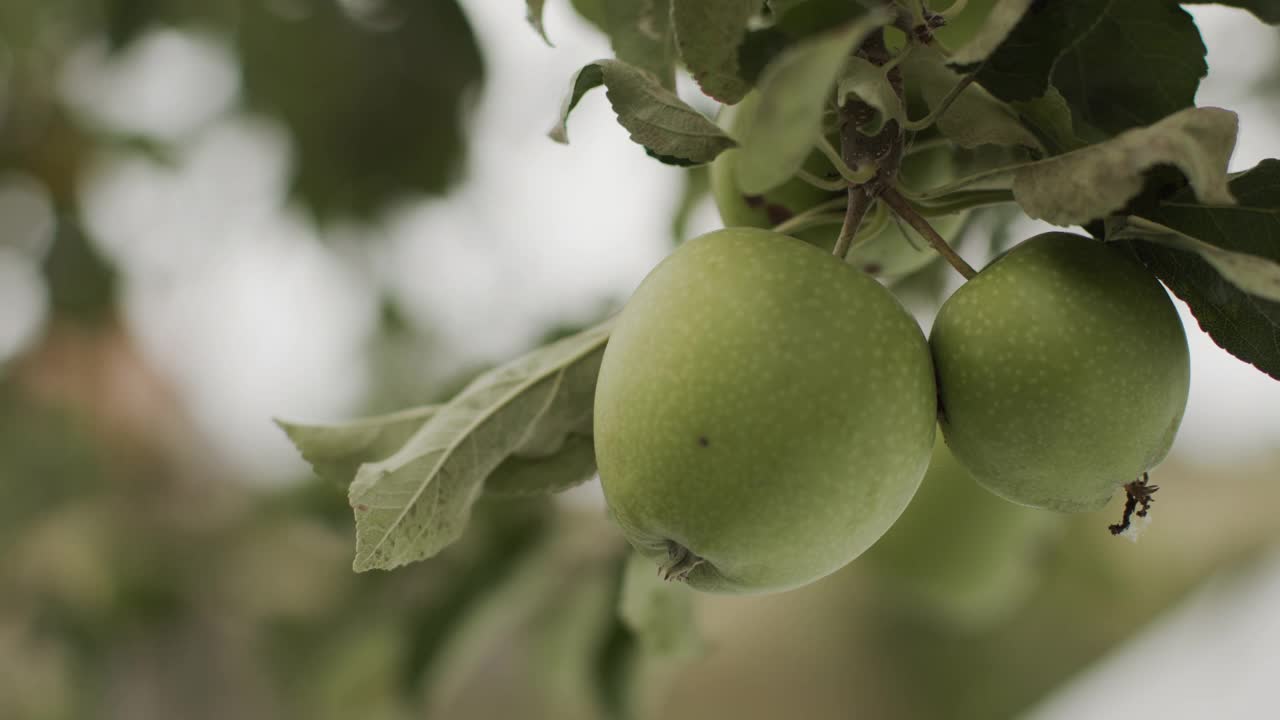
x=534 y=15
x=794 y=89
x=336 y=451
x=656 y=117
x=416 y=502
x=1246 y=324
x=1098 y=180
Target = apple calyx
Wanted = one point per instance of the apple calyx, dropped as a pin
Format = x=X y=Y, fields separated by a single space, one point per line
x=680 y=562
x=1137 y=493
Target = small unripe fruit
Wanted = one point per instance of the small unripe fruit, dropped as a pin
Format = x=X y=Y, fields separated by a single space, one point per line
x=1063 y=372
x=763 y=414
x=883 y=248
x=739 y=209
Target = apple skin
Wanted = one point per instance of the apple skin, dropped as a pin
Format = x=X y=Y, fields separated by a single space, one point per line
x=881 y=248
x=764 y=406
x=960 y=555
x=1063 y=372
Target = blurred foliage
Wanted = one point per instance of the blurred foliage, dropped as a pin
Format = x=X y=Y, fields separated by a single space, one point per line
x=375 y=103
x=82 y=284
x=138 y=585
x=374 y=95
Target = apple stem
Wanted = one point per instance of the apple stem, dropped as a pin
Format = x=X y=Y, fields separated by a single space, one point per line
x=820 y=182
x=855 y=210
x=881 y=151
x=680 y=562
x=904 y=210
x=943 y=105
x=798 y=223
x=959 y=201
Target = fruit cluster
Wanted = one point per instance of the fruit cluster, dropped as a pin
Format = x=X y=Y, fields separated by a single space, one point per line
x=765 y=412
x=882 y=247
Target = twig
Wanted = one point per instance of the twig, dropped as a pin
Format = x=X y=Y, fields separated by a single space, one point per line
x=859 y=203
x=903 y=209
x=959 y=201
x=798 y=223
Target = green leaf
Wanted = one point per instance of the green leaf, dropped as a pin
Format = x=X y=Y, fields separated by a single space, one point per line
x=1245 y=324
x=803 y=18
x=975 y=117
x=641 y=34
x=781 y=7
x=867 y=82
x=655 y=117
x=534 y=16
x=794 y=90
x=1051 y=115
x=414 y=503
x=370 y=112
x=1118 y=63
x=572 y=464
x=994 y=28
x=1267 y=11
x=1253 y=274
x=708 y=33
x=659 y=612
x=1098 y=180
x=337 y=451
x=758 y=49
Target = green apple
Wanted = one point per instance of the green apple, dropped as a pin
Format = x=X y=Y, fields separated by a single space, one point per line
x=1063 y=372
x=883 y=247
x=763 y=413
x=959 y=554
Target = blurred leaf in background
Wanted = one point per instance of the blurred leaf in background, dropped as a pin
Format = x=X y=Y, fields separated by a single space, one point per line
x=375 y=95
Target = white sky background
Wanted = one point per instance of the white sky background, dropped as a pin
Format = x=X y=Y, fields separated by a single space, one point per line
x=231 y=296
